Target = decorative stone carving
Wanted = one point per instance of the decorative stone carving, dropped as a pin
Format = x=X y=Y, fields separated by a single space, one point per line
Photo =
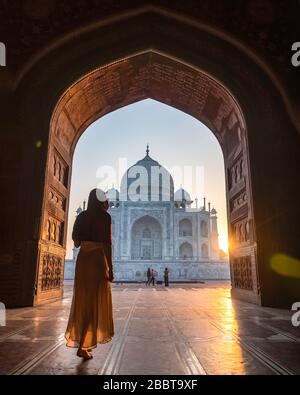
x=242 y=273
x=231 y=133
x=52 y=272
x=54 y=230
x=239 y=206
x=239 y=201
x=56 y=200
x=135 y=214
x=212 y=106
x=60 y=169
x=241 y=231
x=36 y=28
x=236 y=173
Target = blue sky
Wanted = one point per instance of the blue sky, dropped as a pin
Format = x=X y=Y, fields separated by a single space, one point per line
x=175 y=139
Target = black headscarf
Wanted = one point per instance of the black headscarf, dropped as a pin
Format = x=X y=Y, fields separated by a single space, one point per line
x=94 y=224
x=95 y=205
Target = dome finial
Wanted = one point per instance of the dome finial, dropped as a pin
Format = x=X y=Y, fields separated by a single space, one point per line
x=147 y=150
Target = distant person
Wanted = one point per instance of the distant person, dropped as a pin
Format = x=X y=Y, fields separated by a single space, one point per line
x=148 y=276
x=166 y=277
x=91 y=316
x=152 y=279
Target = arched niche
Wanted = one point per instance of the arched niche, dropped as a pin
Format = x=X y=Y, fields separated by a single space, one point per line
x=146 y=239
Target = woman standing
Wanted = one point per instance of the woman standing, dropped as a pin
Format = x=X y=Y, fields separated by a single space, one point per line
x=148 y=276
x=166 y=277
x=91 y=318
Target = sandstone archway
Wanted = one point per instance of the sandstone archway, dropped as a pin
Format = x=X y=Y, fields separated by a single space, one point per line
x=272 y=150
x=148 y=75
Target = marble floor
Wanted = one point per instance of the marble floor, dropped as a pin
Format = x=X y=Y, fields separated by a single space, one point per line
x=185 y=329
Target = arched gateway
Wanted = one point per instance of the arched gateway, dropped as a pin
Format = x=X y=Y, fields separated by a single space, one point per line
x=157 y=76
x=151 y=53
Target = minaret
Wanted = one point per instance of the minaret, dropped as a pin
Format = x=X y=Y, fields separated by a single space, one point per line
x=79 y=211
x=214 y=236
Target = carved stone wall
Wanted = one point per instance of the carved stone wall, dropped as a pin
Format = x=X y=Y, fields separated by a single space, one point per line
x=242 y=273
x=268 y=26
x=140 y=77
x=52 y=272
x=49 y=283
x=60 y=169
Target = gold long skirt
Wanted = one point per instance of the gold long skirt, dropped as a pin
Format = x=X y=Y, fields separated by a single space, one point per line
x=91 y=317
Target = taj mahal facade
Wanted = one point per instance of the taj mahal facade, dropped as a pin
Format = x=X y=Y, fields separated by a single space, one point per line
x=153 y=226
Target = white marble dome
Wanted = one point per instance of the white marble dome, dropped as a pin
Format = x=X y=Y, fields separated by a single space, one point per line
x=182 y=195
x=147 y=180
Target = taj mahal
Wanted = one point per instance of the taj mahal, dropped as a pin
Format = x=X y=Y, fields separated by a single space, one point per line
x=153 y=226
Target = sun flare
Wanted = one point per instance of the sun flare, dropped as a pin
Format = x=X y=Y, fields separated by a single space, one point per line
x=223 y=242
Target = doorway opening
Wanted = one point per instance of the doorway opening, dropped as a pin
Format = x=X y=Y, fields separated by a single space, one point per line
x=177 y=224
x=167 y=80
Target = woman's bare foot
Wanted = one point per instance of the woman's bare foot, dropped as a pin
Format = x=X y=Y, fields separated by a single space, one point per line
x=85 y=354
